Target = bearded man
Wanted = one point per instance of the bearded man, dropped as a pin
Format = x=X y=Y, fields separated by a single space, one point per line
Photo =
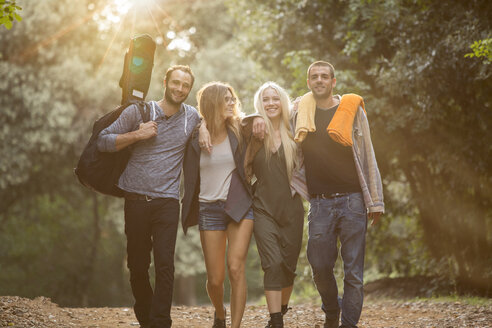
x=151 y=185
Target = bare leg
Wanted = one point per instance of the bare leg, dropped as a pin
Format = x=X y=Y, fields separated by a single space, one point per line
x=286 y=292
x=214 y=247
x=274 y=299
x=239 y=236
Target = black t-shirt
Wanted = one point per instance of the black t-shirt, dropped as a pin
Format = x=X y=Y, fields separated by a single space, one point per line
x=330 y=167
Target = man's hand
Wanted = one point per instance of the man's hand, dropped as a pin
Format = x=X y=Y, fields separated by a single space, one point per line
x=375 y=216
x=204 y=139
x=147 y=130
x=259 y=128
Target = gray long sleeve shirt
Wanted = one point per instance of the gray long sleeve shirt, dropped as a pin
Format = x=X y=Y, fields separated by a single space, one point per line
x=154 y=166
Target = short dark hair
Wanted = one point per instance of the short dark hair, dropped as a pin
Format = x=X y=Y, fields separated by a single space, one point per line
x=183 y=68
x=322 y=63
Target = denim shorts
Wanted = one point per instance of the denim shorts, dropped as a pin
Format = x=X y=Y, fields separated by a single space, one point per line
x=212 y=216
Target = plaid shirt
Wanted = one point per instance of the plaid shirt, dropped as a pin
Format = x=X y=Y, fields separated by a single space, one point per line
x=366 y=165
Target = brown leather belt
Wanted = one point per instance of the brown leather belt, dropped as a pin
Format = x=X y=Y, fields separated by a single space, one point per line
x=328 y=196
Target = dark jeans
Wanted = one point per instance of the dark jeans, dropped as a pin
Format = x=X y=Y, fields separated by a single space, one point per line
x=344 y=218
x=152 y=225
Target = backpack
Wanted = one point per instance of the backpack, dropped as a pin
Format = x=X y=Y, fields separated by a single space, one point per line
x=100 y=171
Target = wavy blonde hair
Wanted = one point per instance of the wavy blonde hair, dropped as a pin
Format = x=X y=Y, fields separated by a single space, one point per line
x=286 y=136
x=211 y=104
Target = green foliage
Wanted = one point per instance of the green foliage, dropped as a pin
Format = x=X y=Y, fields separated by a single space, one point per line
x=482 y=49
x=45 y=104
x=296 y=62
x=74 y=255
x=189 y=259
x=469 y=300
x=8 y=12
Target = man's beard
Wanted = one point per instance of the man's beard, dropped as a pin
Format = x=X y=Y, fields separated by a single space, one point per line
x=324 y=95
x=168 y=97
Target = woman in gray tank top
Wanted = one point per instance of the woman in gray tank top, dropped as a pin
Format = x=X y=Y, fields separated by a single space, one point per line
x=218 y=198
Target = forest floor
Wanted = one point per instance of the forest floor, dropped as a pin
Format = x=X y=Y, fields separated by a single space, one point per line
x=385 y=306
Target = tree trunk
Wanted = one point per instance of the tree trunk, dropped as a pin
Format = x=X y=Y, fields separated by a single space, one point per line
x=184 y=290
x=88 y=268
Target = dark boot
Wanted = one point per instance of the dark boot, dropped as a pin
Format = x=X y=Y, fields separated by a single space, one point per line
x=331 y=323
x=285 y=309
x=220 y=323
x=276 y=320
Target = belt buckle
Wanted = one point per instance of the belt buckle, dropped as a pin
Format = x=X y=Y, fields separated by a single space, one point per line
x=147 y=198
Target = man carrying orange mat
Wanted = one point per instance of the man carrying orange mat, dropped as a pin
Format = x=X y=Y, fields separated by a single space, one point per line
x=345 y=186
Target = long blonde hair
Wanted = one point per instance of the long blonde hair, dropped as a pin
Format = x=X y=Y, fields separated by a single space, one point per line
x=211 y=104
x=286 y=137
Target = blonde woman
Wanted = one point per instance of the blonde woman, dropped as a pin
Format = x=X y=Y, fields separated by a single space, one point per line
x=218 y=199
x=277 y=204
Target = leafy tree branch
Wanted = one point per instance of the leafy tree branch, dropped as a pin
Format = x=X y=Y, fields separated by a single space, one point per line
x=8 y=12
x=481 y=49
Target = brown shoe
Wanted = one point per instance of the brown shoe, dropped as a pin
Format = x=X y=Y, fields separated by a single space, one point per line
x=331 y=323
x=220 y=323
x=276 y=320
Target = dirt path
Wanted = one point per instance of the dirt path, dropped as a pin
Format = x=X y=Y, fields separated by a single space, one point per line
x=41 y=313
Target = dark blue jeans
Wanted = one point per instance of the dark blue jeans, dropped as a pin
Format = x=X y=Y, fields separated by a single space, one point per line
x=345 y=218
x=152 y=225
